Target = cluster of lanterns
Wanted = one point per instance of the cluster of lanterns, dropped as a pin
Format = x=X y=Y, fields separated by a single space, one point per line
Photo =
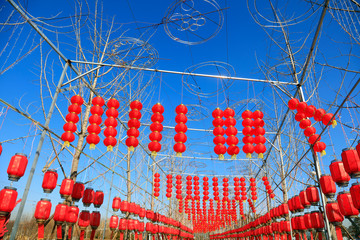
x=158 y=224
x=155 y=136
x=156 y=185
x=134 y=123
x=72 y=119
x=95 y=121
x=268 y=187
x=231 y=132
x=303 y=115
x=169 y=186
x=180 y=129
x=111 y=124
x=253 y=124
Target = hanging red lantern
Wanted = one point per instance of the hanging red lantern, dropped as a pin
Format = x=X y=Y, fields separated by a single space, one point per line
x=49 y=180
x=328 y=186
x=88 y=197
x=133 y=133
x=326 y=120
x=84 y=222
x=188 y=188
x=225 y=189
x=355 y=194
x=111 y=123
x=169 y=186
x=113 y=223
x=304 y=200
x=215 y=188
x=219 y=140
x=95 y=120
x=156 y=185
x=333 y=213
x=155 y=136
x=99 y=198
x=71 y=120
x=237 y=189
x=253 y=189
x=243 y=189
x=66 y=188
x=78 y=191
x=94 y=223
x=231 y=132
x=196 y=189
x=259 y=133
x=338 y=173
x=8 y=196
x=312 y=194
x=17 y=166
x=178 y=188
x=42 y=213
x=1 y=149
x=292 y=104
x=351 y=161
x=180 y=138
x=60 y=218
x=248 y=131
x=346 y=205
x=116 y=204
x=317 y=221
x=71 y=218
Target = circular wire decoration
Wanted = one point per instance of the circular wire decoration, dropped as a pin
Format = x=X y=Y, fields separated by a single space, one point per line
x=193 y=21
x=133 y=52
x=197 y=112
x=208 y=87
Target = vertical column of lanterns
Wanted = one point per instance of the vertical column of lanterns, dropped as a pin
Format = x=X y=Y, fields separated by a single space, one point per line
x=155 y=135
x=196 y=189
x=206 y=188
x=241 y=208
x=225 y=189
x=156 y=185
x=253 y=189
x=321 y=116
x=219 y=139
x=248 y=140
x=180 y=129
x=186 y=207
x=268 y=187
x=134 y=123
x=188 y=188
x=71 y=119
x=169 y=186
x=251 y=205
x=259 y=132
x=111 y=123
x=243 y=189
x=215 y=188
x=237 y=189
x=178 y=187
x=95 y=121
x=231 y=132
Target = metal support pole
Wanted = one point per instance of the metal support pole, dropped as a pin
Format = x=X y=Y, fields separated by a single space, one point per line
x=37 y=154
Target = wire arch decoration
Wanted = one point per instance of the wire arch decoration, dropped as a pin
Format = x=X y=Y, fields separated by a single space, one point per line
x=132 y=51
x=197 y=112
x=197 y=21
x=200 y=86
x=197 y=164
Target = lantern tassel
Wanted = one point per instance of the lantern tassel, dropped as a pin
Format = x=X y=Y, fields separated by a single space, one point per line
x=66 y=144
x=153 y=153
x=178 y=154
x=131 y=148
x=233 y=157
x=261 y=155
x=323 y=153
x=109 y=148
x=248 y=155
x=221 y=156
x=334 y=123
x=92 y=146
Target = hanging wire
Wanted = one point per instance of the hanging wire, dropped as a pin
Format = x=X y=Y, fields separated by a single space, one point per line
x=4 y=117
x=182 y=89
x=27 y=136
x=160 y=87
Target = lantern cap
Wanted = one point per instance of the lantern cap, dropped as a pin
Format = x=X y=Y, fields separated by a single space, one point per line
x=51 y=170
x=79 y=182
x=310 y=186
x=84 y=211
x=355 y=184
x=74 y=206
x=99 y=190
x=89 y=188
x=21 y=154
x=323 y=175
x=336 y=160
x=344 y=192
x=10 y=188
x=331 y=201
x=95 y=211
x=45 y=199
x=346 y=149
x=62 y=203
x=316 y=211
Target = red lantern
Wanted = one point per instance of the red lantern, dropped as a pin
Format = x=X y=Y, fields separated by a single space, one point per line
x=156 y=185
x=71 y=119
x=326 y=119
x=111 y=123
x=259 y=131
x=88 y=197
x=17 y=166
x=71 y=218
x=333 y=213
x=42 y=213
x=1 y=149
x=116 y=204
x=60 y=218
x=180 y=138
x=346 y=205
x=125 y=206
x=133 y=124
x=94 y=223
x=95 y=120
x=188 y=188
x=215 y=188
x=66 y=188
x=304 y=200
x=169 y=186
x=178 y=188
x=84 y=222
x=248 y=140
x=219 y=140
x=113 y=223
x=355 y=194
x=8 y=196
x=338 y=173
x=292 y=104
x=49 y=181
x=99 y=198
x=231 y=132
x=317 y=220
x=351 y=161
x=78 y=191
x=328 y=186
x=155 y=136
x=312 y=194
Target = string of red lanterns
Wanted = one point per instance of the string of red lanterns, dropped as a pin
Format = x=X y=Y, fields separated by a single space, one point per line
x=71 y=119
x=248 y=140
x=95 y=121
x=134 y=124
x=180 y=129
x=231 y=133
x=111 y=124
x=218 y=131
x=156 y=185
x=155 y=135
x=169 y=186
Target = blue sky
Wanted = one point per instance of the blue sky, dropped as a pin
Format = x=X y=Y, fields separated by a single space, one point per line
x=241 y=43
